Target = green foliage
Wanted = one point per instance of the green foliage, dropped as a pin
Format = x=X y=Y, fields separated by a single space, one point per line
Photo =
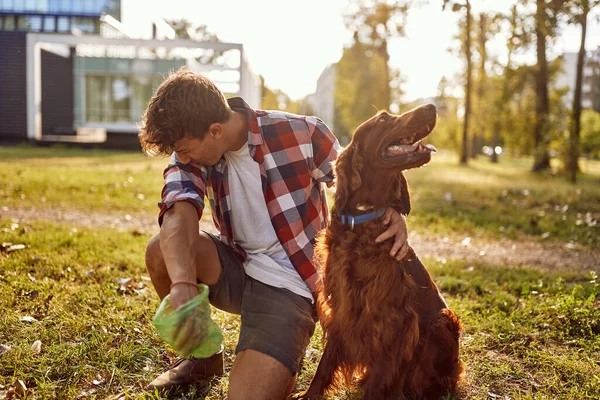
x=360 y=87
x=590 y=134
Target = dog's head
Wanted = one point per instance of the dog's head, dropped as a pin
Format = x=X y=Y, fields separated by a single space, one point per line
x=369 y=169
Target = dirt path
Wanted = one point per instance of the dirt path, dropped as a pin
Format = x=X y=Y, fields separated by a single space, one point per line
x=503 y=251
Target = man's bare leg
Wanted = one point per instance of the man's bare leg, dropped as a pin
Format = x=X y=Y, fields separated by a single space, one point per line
x=257 y=376
x=208 y=269
x=208 y=265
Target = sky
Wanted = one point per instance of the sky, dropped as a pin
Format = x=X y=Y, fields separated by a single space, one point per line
x=290 y=42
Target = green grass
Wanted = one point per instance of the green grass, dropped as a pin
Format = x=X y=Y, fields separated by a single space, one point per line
x=96 y=180
x=505 y=200
x=528 y=334
x=481 y=200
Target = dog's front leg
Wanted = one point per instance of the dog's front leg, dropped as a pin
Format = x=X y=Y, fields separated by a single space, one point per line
x=330 y=360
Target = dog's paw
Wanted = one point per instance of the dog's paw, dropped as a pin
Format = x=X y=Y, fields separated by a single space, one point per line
x=305 y=396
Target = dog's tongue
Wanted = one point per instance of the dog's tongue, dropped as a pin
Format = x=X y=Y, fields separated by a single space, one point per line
x=397 y=149
x=400 y=149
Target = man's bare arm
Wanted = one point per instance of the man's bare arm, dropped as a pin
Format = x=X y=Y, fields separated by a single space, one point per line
x=178 y=234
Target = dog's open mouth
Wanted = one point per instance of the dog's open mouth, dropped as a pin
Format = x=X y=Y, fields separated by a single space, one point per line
x=399 y=149
x=410 y=146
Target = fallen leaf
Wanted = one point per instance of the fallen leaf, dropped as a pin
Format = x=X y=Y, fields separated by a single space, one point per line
x=36 y=347
x=98 y=381
x=4 y=348
x=123 y=281
x=27 y=318
x=20 y=387
x=16 y=247
x=8 y=247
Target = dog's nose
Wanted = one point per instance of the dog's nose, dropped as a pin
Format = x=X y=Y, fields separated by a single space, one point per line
x=430 y=108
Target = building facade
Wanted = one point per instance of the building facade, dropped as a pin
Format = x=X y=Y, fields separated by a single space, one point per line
x=72 y=71
x=590 y=96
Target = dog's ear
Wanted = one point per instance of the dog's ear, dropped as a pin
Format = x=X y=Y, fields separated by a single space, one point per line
x=356 y=166
x=402 y=205
x=348 y=167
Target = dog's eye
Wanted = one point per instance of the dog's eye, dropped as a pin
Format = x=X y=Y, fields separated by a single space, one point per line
x=383 y=118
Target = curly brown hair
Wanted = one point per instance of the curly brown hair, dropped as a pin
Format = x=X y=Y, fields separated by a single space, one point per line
x=185 y=105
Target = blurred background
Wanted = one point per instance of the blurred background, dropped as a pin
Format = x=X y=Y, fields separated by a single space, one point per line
x=508 y=76
x=506 y=216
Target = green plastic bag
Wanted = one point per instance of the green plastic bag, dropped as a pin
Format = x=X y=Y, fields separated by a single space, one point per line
x=206 y=338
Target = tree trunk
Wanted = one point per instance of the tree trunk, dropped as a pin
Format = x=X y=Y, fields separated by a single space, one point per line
x=542 y=158
x=479 y=134
x=465 y=142
x=576 y=118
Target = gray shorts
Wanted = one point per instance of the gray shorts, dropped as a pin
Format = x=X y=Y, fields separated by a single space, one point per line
x=275 y=321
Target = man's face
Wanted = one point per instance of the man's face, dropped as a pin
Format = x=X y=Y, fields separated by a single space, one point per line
x=205 y=151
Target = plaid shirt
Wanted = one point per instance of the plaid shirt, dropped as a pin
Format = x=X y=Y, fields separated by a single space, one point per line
x=295 y=156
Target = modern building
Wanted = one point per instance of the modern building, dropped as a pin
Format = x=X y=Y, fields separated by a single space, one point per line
x=322 y=102
x=84 y=70
x=591 y=79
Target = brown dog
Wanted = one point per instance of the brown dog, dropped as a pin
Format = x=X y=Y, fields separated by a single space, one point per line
x=384 y=321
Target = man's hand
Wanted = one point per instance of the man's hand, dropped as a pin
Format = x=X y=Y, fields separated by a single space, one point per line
x=397 y=229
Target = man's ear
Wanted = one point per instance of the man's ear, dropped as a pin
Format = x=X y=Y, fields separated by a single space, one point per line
x=215 y=130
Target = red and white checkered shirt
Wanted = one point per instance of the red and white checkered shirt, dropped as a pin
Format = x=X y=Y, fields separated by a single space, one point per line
x=295 y=155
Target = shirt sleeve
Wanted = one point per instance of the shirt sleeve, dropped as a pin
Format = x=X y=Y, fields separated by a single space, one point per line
x=325 y=149
x=183 y=182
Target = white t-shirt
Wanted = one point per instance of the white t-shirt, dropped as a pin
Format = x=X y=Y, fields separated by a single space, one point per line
x=252 y=228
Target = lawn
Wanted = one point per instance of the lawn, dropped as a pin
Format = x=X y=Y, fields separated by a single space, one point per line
x=83 y=292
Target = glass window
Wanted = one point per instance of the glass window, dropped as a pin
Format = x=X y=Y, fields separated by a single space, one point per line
x=18 y=6
x=49 y=24
x=83 y=24
x=30 y=5
x=53 y=5
x=63 y=24
x=95 y=98
x=120 y=98
x=142 y=92
x=6 y=5
x=23 y=23
x=9 y=23
x=35 y=22
x=64 y=5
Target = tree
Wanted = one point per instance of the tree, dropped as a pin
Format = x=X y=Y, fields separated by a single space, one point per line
x=374 y=22
x=361 y=85
x=547 y=14
x=580 y=10
x=515 y=39
x=468 y=57
x=185 y=29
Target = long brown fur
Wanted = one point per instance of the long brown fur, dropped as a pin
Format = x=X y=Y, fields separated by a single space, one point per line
x=384 y=322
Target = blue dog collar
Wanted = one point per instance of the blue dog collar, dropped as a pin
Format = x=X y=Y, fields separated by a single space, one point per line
x=361 y=219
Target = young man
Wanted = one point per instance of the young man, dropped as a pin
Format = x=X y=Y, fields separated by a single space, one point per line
x=263 y=173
